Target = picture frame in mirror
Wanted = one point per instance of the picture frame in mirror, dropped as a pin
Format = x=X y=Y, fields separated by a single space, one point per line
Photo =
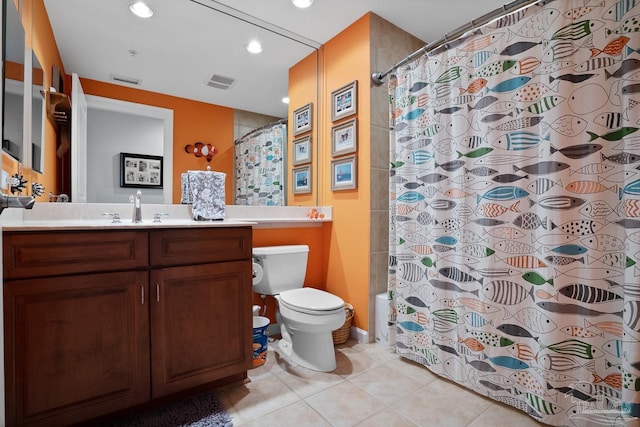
x=301 y=180
x=303 y=119
x=141 y=171
x=302 y=150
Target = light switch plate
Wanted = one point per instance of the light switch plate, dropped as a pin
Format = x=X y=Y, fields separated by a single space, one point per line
x=5 y=180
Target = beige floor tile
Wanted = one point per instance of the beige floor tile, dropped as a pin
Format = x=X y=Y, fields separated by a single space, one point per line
x=387 y=417
x=499 y=414
x=378 y=352
x=257 y=398
x=432 y=405
x=372 y=386
x=344 y=405
x=295 y=415
x=305 y=382
x=412 y=369
x=352 y=361
x=386 y=383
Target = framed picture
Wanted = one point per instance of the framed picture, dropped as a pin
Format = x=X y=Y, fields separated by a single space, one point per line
x=344 y=138
x=302 y=150
x=302 y=119
x=344 y=173
x=139 y=170
x=344 y=101
x=302 y=180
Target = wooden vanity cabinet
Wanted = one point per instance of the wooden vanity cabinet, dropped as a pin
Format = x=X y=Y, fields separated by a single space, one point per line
x=101 y=321
x=201 y=312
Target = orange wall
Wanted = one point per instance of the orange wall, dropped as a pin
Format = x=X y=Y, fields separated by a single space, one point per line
x=193 y=121
x=347 y=58
x=302 y=91
x=345 y=241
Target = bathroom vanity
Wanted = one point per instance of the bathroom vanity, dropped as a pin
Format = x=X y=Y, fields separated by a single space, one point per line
x=101 y=319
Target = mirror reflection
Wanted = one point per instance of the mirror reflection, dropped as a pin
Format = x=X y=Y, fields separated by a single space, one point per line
x=37 y=115
x=13 y=116
x=203 y=124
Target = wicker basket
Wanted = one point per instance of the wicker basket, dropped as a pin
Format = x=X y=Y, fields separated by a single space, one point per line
x=341 y=335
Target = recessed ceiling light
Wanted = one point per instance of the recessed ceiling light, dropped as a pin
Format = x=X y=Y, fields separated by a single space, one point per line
x=285 y=100
x=141 y=10
x=254 y=47
x=302 y=3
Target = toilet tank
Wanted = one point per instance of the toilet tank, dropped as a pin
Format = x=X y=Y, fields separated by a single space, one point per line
x=283 y=268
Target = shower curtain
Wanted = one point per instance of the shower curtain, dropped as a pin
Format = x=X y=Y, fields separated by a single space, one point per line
x=259 y=167
x=515 y=211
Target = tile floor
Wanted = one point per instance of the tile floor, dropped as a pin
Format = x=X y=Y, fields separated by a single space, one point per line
x=371 y=386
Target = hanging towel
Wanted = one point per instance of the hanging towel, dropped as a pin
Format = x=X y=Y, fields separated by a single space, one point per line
x=207 y=194
x=186 y=198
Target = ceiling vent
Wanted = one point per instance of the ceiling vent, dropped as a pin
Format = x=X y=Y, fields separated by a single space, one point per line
x=220 y=82
x=124 y=79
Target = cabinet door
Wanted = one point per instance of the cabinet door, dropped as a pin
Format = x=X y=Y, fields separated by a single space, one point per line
x=200 y=324
x=76 y=347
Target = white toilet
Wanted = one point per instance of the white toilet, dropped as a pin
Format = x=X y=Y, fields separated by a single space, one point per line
x=307 y=316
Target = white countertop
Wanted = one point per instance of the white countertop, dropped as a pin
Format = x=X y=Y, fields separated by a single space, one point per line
x=79 y=216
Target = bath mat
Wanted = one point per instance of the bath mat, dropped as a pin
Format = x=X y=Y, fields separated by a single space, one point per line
x=202 y=410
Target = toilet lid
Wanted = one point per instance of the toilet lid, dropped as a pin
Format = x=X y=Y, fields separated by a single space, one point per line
x=311 y=299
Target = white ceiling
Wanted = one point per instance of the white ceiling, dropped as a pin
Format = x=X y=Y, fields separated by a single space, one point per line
x=186 y=41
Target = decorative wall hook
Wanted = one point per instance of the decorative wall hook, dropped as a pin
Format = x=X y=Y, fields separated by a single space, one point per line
x=200 y=149
x=37 y=189
x=17 y=183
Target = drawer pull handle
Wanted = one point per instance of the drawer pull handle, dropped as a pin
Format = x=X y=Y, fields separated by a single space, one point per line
x=142 y=294
x=157 y=292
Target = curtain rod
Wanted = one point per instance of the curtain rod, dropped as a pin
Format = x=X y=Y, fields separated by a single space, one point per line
x=261 y=128
x=378 y=78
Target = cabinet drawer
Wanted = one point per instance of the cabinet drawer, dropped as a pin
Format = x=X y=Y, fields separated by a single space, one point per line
x=27 y=254
x=199 y=246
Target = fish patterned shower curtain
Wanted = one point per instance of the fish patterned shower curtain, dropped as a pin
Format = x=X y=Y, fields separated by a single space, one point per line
x=515 y=211
x=260 y=168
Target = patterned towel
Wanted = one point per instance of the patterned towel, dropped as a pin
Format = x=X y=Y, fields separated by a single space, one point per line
x=207 y=194
x=186 y=198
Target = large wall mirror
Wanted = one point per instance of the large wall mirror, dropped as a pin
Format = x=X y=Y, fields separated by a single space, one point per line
x=14 y=90
x=81 y=23
x=23 y=105
x=38 y=113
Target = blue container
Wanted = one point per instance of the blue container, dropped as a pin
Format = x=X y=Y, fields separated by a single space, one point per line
x=260 y=340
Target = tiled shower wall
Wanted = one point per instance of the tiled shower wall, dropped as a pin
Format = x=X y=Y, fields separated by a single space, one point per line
x=245 y=121
x=389 y=45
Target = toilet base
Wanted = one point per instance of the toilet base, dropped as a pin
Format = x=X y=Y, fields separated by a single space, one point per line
x=311 y=351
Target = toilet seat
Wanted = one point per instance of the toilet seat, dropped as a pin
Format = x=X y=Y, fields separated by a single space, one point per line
x=311 y=301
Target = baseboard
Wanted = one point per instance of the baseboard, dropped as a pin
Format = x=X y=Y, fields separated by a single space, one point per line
x=359 y=335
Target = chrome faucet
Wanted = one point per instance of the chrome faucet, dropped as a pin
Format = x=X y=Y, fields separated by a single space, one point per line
x=137 y=207
x=23 y=202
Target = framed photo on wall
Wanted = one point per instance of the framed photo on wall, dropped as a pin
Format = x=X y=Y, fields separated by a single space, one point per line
x=302 y=150
x=139 y=170
x=344 y=101
x=301 y=180
x=344 y=173
x=344 y=138
x=303 y=119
